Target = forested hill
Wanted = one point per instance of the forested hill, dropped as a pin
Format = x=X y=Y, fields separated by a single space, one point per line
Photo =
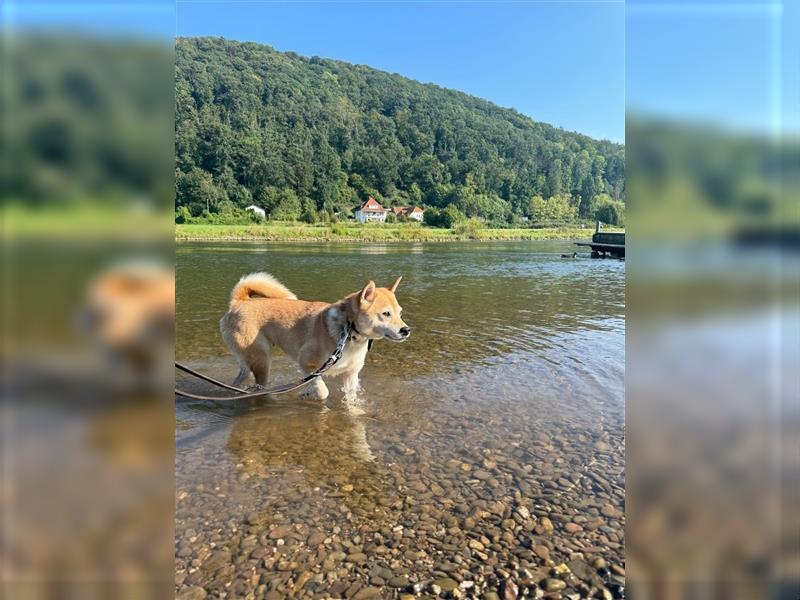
x=295 y=134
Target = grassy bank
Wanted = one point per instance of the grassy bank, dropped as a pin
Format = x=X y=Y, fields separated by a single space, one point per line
x=351 y=232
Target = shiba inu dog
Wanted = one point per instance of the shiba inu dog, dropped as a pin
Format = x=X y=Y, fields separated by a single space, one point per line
x=264 y=314
x=129 y=314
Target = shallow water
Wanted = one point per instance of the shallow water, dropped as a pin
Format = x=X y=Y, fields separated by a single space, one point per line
x=503 y=410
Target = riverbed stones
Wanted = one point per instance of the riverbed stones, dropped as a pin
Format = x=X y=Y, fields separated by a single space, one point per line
x=356 y=558
x=192 y=593
x=510 y=590
x=553 y=585
x=367 y=593
x=541 y=551
x=398 y=581
x=280 y=532
x=442 y=515
x=476 y=545
x=446 y=584
x=612 y=512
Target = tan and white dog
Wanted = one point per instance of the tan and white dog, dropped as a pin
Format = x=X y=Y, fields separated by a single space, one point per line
x=264 y=314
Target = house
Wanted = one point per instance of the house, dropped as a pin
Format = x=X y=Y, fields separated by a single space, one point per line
x=258 y=211
x=371 y=211
x=413 y=213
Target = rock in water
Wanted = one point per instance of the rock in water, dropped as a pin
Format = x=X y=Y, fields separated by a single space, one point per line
x=192 y=593
x=510 y=590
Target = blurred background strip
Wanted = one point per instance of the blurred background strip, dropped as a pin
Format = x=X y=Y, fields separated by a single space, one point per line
x=712 y=296
x=88 y=299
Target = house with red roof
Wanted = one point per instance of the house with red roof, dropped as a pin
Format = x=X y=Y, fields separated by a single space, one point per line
x=413 y=213
x=371 y=211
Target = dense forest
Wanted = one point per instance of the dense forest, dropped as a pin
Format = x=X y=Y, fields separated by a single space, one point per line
x=311 y=138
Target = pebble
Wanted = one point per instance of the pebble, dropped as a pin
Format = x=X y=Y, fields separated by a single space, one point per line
x=446 y=584
x=476 y=545
x=542 y=552
x=192 y=593
x=554 y=585
x=400 y=581
x=280 y=532
x=357 y=558
x=510 y=590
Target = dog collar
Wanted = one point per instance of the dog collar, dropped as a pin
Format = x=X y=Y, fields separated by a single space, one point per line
x=354 y=329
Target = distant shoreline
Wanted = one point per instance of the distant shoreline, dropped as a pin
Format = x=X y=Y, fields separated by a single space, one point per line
x=368 y=234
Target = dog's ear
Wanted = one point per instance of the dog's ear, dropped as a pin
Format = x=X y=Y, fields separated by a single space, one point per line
x=368 y=293
x=395 y=284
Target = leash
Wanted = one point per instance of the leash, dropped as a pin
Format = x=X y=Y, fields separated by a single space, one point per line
x=281 y=389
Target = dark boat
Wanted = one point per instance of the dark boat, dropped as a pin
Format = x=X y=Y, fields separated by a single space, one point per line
x=606 y=244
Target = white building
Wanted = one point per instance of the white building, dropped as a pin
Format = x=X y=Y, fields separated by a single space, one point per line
x=259 y=211
x=371 y=211
x=413 y=213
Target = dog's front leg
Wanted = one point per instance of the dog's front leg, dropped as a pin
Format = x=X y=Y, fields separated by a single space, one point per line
x=351 y=386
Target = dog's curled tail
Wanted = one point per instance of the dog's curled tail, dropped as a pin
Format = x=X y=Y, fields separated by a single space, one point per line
x=260 y=285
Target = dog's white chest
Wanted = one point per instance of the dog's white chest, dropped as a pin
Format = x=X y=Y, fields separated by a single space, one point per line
x=352 y=360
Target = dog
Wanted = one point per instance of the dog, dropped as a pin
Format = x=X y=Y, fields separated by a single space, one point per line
x=263 y=314
x=129 y=314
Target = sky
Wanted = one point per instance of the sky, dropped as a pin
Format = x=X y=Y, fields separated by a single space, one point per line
x=733 y=63
x=571 y=63
x=562 y=63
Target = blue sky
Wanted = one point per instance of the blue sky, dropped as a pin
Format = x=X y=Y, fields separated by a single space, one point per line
x=728 y=62
x=733 y=62
x=558 y=62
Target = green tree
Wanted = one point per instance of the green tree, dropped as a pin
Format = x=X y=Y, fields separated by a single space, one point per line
x=451 y=215
x=288 y=207
x=258 y=122
x=309 y=211
x=608 y=210
x=197 y=186
x=182 y=215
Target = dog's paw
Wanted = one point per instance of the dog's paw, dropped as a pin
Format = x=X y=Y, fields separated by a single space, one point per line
x=316 y=390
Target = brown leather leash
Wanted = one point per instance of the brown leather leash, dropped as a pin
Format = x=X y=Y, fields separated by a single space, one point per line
x=280 y=389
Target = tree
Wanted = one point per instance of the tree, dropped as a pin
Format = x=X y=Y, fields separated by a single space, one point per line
x=609 y=211
x=309 y=211
x=556 y=209
x=288 y=208
x=258 y=122
x=451 y=215
x=197 y=186
x=182 y=215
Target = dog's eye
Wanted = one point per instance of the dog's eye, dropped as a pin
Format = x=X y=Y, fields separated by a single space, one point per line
x=386 y=313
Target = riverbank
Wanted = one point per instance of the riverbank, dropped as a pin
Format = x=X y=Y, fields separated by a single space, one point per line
x=352 y=232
